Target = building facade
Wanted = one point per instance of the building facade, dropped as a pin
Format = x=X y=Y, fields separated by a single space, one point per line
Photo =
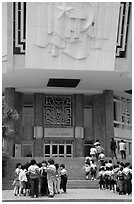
x=67 y=70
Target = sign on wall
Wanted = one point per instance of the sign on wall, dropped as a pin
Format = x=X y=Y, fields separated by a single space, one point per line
x=58 y=132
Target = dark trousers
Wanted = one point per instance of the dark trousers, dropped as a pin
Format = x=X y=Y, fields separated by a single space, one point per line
x=107 y=182
x=102 y=184
x=128 y=186
x=34 y=187
x=113 y=152
x=123 y=154
x=63 y=183
x=44 y=186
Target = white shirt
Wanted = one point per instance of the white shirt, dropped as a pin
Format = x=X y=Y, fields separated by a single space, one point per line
x=122 y=146
x=22 y=175
x=93 y=150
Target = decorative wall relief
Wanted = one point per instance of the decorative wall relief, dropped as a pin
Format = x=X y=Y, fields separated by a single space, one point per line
x=71 y=28
x=58 y=111
x=123 y=29
x=19 y=27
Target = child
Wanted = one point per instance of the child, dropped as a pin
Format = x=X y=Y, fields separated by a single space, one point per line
x=16 y=182
x=51 y=171
x=57 y=182
x=87 y=160
x=34 y=172
x=23 y=180
x=64 y=176
x=100 y=176
x=107 y=177
x=93 y=152
x=120 y=181
x=44 y=184
x=86 y=168
x=93 y=170
x=127 y=178
x=101 y=158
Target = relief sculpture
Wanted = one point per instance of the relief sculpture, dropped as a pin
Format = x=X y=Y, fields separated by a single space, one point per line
x=70 y=28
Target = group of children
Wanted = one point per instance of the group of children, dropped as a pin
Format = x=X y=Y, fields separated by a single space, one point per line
x=114 y=177
x=46 y=178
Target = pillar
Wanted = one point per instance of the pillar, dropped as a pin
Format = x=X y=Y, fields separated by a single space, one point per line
x=109 y=119
x=103 y=119
x=38 y=121
x=19 y=123
x=14 y=100
x=78 y=125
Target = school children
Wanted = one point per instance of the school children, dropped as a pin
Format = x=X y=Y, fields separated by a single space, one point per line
x=57 y=180
x=86 y=168
x=44 y=184
x=64 y=176
x=51 y=177
x=120 y=181
x=100 y=176
x=34 y=173
x=16 y=181
x=101 y=157
x=23 y=180
x=93 y=170
x=127 y=179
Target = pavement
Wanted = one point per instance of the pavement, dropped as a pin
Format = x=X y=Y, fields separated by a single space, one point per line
x=72 y=195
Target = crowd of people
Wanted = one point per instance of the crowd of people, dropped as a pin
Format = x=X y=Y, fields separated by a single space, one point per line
x=116 y=177
x=49 y=178
x=113 y=176
x=40 y=179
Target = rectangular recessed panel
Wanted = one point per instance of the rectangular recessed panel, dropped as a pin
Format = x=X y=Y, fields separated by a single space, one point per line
x=62 y=82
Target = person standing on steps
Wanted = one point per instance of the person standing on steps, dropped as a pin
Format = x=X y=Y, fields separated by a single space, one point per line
x=113 y=147
x=122 y=146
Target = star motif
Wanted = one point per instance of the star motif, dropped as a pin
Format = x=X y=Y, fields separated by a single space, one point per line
x=64 y=10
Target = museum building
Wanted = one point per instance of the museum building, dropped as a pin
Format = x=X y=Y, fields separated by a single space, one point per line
x=67 y=70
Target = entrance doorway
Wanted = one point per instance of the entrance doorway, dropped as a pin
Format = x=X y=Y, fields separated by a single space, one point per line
x=58 y=149
x=87 y=147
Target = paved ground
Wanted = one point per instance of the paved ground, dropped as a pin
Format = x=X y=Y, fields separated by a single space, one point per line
x=72 y=195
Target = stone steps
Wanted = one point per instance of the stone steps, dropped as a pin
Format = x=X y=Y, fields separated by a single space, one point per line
x=82 y=184
x=73 y=165
x=71 y=184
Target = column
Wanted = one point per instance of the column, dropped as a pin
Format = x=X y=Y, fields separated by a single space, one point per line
x=103 y=119
x=10 y=103
x=109 y=120
x=98 y=116
x=38 y=122
x=78 y=125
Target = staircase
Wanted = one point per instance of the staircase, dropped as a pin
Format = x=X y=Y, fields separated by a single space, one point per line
x=76 y=176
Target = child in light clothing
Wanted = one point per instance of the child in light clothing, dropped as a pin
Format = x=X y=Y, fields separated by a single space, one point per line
x=23 y=180
x=16 y=181
x=51 y=177
x=86 y=168
x=64 y=176
x=93 y=170
x=93 y=152
x=57 y=182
